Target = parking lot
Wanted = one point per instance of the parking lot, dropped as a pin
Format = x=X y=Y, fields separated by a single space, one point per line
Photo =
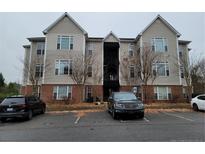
x=99 y=126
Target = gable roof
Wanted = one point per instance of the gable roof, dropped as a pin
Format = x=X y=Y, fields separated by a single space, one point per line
x=165 y=22
x=59 y=19
x=111 y=33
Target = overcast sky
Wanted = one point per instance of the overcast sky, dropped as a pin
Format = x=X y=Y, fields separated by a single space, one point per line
x=16 y=27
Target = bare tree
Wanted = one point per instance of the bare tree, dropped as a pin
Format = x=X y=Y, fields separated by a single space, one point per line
x=126 y=63
x=80 y=70
x=148 y=58
x=198 y=76
x=185 y=70
x=143 y=63
x=202 y=68
x=97 y=78
x=30 y=73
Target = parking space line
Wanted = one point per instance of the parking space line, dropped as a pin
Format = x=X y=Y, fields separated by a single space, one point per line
x=146 y=119
x=77 y=120
x=178 y=116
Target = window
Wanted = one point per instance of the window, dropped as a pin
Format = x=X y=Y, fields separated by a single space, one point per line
x=159 y=45
x=62 y=92
x=131 y=53
x=88 y=91
x=40 y=48
x=90 y=71
x=90 y=52
x=182 y=71
x=201 y=97
x=65 y=42
x=180 y=54
x=160 y=68
x=63 y=67
x=180 y=51
x=39 y=70
x=130 y=50
x=89 y=49
x=132 y=73
x=162 y=93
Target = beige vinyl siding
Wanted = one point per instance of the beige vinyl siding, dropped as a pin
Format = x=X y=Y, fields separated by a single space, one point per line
x=37 y=59
x=184 y=48
x=64 y=28
x=26 y=61
x=96 y=48
x=124 y=52
x=159 y=30
x=110 y=38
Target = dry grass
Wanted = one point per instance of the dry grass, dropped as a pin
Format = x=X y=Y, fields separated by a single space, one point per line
x=168 y=106
x=73 y=107
x=167 y=110
x=81 y=108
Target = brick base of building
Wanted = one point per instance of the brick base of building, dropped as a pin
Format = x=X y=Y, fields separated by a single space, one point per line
x=26 y=90
x=46 y=93
x=176 y=90
x=78 y=92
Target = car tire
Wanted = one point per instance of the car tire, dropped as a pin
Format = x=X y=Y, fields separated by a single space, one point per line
x=30 y=115
x=114 y=115
x=141 y=115
x=195 y=107
x=3 y=120
x=43 y=110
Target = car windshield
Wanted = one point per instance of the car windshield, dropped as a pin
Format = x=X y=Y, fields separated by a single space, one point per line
x=124 y=96
x=10 y=101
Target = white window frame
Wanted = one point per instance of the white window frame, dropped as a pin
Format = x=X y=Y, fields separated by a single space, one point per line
x=70 y=39
x=69 y=65
x=154 y=67
x=42 y=47
x=164 y=41
x=40 y=70
x=89 y=47
x=131 y=66
x=88 y=87
x=57 y=91
x=167 y=92
x=90 y=66
x=182 y=71
x=130 y=48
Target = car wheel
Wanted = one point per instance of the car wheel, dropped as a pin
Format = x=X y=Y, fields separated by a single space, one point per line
x=195 y=107
x=114 y=115
x=43 y=110
x=141 y=115
x=30 y=115
x=3 y=120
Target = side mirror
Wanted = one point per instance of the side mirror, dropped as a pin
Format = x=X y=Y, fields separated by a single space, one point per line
x=110 y=98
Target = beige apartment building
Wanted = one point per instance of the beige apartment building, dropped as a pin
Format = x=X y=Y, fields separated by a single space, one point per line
x=51 y=59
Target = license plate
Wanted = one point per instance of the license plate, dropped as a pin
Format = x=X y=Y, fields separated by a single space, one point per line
x=9 y=109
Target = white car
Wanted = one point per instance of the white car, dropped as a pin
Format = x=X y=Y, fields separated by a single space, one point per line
x=198 y=102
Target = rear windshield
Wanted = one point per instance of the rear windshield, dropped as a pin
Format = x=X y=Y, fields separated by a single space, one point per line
x=124 y=96
x=13 y=101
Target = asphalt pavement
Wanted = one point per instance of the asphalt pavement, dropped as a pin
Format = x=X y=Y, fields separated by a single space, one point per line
x=99 y=126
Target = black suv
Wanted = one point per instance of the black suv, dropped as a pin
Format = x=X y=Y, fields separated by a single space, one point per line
x=125 y=103
x=21 y=107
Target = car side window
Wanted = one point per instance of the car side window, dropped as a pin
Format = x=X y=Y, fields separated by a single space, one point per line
x=31 y=99
x=201 y=97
